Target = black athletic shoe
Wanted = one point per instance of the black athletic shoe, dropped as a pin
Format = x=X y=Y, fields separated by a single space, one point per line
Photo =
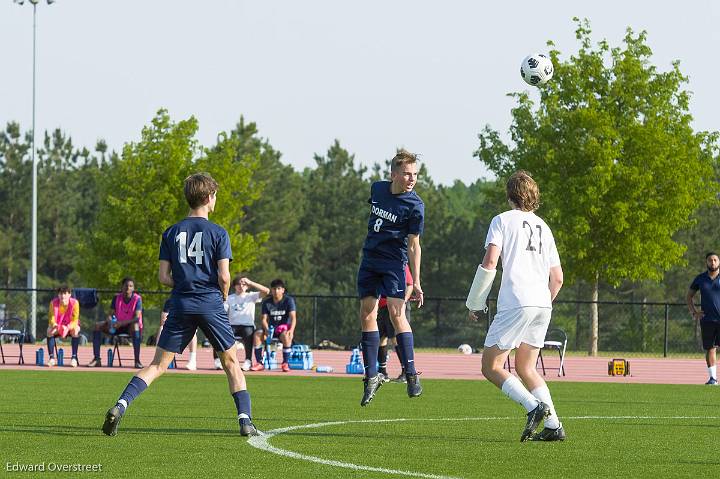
x=371 y=387
x=95 y=363
x=414 y=389
x=247 y=428
x=400 y=379
x=138 y=365
x=548 y=434
x=534 y=418
x=112 y=420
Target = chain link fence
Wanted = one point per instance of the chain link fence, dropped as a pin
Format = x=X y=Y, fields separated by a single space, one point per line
x=640 y=328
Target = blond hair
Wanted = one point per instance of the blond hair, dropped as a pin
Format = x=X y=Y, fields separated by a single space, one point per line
x=402 y=157
x=523 y=191
x=198 y=187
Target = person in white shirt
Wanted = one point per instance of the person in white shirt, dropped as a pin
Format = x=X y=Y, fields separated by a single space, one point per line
x=241 y=310
x=531 y=279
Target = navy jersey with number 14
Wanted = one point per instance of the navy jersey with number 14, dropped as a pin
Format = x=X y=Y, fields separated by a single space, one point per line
x=193 y=247
x=392 y=219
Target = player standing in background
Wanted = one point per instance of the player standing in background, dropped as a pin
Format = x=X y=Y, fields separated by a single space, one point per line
x=195 y=260
x=709 y=316
x=397 y=216
x=531 y=279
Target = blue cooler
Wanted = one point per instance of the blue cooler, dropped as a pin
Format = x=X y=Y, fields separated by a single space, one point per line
x=301 y=357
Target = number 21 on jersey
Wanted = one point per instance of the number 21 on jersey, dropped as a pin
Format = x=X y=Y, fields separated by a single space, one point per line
x=195 y=249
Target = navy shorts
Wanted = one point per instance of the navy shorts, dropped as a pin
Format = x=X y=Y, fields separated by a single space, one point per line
x=381 y=278
x=710 y=332
x=180 y=328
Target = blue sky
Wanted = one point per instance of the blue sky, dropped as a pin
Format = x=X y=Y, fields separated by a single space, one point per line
x=375 y=74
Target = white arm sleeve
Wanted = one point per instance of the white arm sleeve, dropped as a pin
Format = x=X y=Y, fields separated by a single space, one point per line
x=480 y=289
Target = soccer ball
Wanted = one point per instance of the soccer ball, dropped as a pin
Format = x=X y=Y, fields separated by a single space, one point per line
x=536 y=69
x=465 y=349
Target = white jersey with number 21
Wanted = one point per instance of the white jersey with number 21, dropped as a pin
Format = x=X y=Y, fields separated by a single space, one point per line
x=528 y=251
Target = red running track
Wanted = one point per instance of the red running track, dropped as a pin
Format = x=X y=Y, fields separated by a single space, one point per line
x=432 y=365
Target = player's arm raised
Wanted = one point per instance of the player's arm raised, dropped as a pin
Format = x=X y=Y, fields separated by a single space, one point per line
x=165 y=274
x=224 y=277
x=414 y=254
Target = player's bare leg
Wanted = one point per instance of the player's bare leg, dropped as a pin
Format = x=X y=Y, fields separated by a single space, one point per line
x=370 y=344
x=404 y=338
x=493 y=359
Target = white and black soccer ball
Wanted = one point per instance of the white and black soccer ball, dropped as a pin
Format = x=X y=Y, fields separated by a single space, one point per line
x=536 y=69
x=465 y=349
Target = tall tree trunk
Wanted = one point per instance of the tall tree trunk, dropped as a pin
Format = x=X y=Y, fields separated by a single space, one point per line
x=593 y=350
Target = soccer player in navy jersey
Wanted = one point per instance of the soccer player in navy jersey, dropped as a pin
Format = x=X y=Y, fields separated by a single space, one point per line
x=396 y=222
x=195 y=260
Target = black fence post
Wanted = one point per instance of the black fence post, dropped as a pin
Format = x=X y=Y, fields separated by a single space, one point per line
x=437 y=323
x=667 y=319
x=314 y=316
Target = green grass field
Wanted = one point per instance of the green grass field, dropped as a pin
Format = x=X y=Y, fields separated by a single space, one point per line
x=184 y=426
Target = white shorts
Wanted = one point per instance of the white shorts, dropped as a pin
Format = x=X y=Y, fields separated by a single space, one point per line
x=520 y=325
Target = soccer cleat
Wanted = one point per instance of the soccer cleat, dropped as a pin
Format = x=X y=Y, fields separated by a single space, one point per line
x=74 y=363
x=138 y=365
x=218 y=364
x=246 y=365
x=414 y=389
x=371 y=387
x=712 y=382
x=51 y=362
x=95 y=363
x=400 y=379
x=247 y=428
x=285 y=367
x=258 y=367
x=548 y=434
x=534 y=418
x=383 y=371
x=191 y=365
x=112 y=420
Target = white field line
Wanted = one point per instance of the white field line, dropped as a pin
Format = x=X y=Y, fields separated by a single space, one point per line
x=263 y=441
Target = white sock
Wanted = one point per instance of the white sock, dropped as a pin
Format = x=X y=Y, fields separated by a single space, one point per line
x=713 y=371
x=543 y=394
x=515 y=390
x=192 y=356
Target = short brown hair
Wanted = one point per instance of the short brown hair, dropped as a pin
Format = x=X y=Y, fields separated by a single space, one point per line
x=64 y=288
x=198 y=187
x=522 y=190
x=236 y=279
x=402 y=157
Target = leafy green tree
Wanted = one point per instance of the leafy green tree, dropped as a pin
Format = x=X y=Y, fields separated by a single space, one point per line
x=619 y=166
x=142 y=195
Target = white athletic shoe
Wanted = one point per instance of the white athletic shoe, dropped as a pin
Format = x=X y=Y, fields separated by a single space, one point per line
x=218 y=364
x=246 y=365
x=73 y=363
x=51 y=362
x=191 y=365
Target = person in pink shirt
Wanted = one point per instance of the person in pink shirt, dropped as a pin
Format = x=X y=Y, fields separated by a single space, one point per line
x=63 y=320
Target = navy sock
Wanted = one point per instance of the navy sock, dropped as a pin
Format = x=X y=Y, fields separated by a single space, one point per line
x=97 y=337
x=242 y=404
x=370 y=343
x=406 y=339
x=286 y=354
x=382 y=358
x=136 y=345
x=258 y=354
x=75 y=342
x=132 y=390
x=51 y=346
x=400 y=355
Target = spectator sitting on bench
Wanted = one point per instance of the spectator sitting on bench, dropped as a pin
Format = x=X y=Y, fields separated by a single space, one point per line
x=64 y=319
x=126 y=306
x=278 y=311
